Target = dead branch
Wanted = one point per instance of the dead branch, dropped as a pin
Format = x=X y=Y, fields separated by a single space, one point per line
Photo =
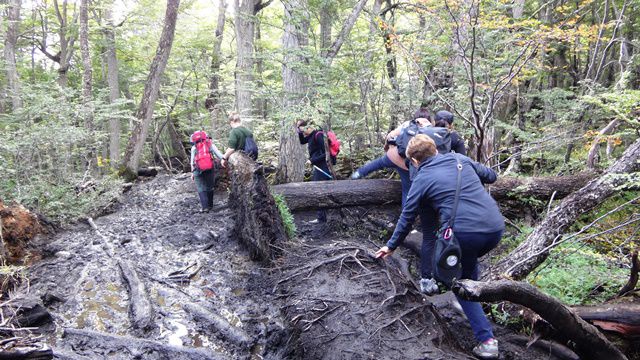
x=633 y=277
x=588 y=342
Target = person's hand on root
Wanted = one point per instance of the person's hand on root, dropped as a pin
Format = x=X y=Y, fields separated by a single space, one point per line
x=223 y=163
x=383 y=252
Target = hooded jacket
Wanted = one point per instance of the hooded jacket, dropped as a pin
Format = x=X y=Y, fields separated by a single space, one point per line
x=434 y=187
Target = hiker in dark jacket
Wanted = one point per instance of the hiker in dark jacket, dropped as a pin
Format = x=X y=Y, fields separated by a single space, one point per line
x=314 y=139
x=444 y=118
x=478 y=223
x=237 y=136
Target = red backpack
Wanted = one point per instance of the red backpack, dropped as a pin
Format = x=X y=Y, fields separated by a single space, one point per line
x=334 y=143
x=203 y=159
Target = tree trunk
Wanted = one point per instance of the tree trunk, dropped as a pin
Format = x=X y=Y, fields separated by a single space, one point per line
x=257 y=224
x=344 y=32
x=10 y=42
x=311 y=195
x=212 y=103
x=291 y=155
x=145 y=111
x=535 y=249
x=391 y=72
x=66 y=41
x=114 y=87
x=87 y=71
x=593 y=156
x=620 y=318
x=244 y=26
x=588 y=342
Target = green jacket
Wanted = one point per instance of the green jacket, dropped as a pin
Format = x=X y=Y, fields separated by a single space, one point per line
x=237 y=137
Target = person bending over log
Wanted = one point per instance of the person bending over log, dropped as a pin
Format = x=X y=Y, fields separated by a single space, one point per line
x=314 y=139
x=392 y=159
x=202 y=166
x=478 y=225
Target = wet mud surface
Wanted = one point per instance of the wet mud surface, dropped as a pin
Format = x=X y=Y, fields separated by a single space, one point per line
x=325 y=298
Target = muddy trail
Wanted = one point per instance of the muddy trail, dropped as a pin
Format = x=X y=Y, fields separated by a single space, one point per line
x=155 y=279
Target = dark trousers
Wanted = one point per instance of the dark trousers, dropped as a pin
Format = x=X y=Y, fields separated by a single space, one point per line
x=319 y=176
x=474 y=246
x=206 y=199
x=384 y=162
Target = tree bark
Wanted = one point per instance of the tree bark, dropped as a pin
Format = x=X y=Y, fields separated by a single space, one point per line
x=535 y=249
x=588 y=342
x=244 y=27
x=291 y=156
x=10 y=42
x=87 y=71
x=593 y=155
x=392 y=70
x=336 y=194
x=212 y=103
x=114 y=87
x=258 y=224
x=620 y=318
x=152 y=86
x=66 y=41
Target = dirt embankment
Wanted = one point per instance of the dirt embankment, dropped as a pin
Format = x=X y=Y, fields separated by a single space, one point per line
x=157 y=280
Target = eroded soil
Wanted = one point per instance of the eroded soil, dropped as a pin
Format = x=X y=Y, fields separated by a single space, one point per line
x=326 y=298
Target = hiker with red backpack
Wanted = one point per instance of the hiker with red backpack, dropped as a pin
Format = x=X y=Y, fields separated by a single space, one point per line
x=202 y=167
x=314 y=138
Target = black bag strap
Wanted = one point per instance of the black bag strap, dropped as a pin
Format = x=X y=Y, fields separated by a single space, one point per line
x=457 y=197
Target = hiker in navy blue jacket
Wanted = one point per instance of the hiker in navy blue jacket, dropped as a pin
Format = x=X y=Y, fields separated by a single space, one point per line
x=314 y=139
x=444 y=118
x=478 y=225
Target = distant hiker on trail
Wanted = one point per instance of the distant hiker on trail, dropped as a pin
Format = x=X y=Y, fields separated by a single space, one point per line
x=478 y=223
x=392 y=158
x=240 y=139
x=202 y=167
x=314 y=139
x=444 y=119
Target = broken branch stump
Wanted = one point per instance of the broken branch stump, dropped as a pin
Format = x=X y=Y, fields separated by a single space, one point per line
x=258 y=224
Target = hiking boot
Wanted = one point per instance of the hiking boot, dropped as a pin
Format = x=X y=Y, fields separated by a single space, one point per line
x=428 y=286
x=487 y=349
x=356 y=175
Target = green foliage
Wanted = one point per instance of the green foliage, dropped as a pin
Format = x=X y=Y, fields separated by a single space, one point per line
x=578 y=275
x=285 y=214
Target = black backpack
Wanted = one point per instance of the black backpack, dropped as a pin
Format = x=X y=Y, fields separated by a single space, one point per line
x=440 y=136
x=250 y=147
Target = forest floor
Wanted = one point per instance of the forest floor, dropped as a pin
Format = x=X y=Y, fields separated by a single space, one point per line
x=325 y=298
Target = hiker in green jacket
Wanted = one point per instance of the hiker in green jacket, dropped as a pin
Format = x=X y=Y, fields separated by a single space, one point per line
x=237 y=137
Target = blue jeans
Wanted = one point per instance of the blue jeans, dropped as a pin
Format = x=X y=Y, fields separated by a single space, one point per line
x=319 y=176
x=475 y=245
x=384 y=162
x=429 y=221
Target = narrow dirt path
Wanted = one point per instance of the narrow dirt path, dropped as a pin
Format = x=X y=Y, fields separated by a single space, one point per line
x=158 y=280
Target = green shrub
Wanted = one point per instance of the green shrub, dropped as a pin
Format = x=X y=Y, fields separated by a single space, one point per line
x=578 y=275
x=285 y=214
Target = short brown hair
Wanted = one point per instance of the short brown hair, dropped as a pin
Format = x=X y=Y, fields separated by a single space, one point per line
x=234 y=117
x=421 y=147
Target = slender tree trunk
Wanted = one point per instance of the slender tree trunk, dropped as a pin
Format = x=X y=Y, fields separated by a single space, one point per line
x=150 y=95
x=87 y=70
x=326 y=15
x=10 y=42
x=344 y=32
x=535 y=249
x=66 y=41
x=114 y=87
x=244 y=27
x=212 y=103
x=291 y=154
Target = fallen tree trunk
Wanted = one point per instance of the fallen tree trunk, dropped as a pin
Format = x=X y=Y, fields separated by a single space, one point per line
x=588 y=342
x=140 y=308
x=535 y=249
x=336 y=194
x=620 y=318
x=129 y=347
x=216 y=323
x=258 y=224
